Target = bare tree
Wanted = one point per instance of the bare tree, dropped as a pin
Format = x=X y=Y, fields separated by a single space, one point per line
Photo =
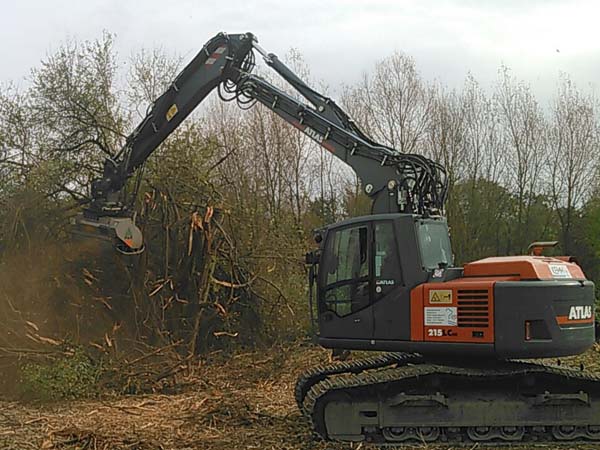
x=446 y=137
x=526 y=136
x=17 y=134
x=484 y=137
x=485 y=165
x=396 y=103
x=150 y=73
x=573 y=163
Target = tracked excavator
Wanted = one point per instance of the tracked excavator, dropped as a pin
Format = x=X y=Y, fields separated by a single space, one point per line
x=455 y=337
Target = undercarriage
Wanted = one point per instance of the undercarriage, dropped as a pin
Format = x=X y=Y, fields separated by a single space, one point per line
x=401 y=398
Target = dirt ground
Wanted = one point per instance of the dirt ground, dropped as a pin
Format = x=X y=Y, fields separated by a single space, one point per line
x=243 y=401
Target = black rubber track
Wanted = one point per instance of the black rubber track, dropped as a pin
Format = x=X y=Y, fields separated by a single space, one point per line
x=315 y=375
x=344 y=382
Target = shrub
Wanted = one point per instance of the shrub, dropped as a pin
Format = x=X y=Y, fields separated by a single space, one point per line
x=66 y=378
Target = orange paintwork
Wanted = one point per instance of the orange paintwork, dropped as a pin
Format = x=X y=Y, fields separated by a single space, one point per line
x=520 y=267
x=481 y=276
x=564 y=320
x=420 y=300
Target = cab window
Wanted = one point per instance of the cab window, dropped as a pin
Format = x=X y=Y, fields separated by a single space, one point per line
x=387 y=266
x=346 y=270
x=434 y=244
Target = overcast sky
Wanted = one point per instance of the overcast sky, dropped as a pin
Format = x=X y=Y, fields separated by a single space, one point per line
x=340 y=39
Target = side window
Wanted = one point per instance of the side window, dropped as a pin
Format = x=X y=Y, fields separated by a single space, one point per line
x=346 y=271
x=387 y=265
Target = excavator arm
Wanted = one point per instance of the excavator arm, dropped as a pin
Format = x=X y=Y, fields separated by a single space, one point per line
x=394 y=181
x=222 y=59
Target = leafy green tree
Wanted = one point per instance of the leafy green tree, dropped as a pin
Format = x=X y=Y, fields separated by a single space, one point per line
x=586 y=238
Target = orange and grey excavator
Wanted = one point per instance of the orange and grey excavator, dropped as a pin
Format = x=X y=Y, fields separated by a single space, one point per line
x=387 y=282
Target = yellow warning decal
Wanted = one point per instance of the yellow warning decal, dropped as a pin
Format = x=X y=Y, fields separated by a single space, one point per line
x=442 y=296
x=171 y=112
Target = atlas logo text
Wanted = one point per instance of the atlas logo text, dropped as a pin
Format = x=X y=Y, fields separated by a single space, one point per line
x=313 y=134
x=580 y=312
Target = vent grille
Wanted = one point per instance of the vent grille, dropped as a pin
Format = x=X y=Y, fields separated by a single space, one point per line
x=473 y=308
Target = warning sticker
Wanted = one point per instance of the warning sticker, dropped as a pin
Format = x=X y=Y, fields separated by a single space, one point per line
x=171 y=112
x=559 y=271
x=441 y=316
x=440 y=296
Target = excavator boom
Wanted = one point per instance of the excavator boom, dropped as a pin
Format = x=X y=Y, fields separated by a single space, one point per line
x=395 y=182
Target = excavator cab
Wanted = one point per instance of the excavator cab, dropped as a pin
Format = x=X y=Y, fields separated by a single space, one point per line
x=366 y=270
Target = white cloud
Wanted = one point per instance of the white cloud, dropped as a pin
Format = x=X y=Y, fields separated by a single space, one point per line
x=340 y=39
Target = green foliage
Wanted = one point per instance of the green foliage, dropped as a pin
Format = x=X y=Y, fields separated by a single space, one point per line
x=69 y=377
x=476 y=234
x=324 y=211
x=356 y=202
x=589 y=227
x=586 y=240
x=483 y=217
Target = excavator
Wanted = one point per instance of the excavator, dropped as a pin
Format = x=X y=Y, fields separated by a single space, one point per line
x=457 y=349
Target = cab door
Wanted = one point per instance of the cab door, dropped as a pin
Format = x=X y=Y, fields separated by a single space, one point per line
x=345 y=283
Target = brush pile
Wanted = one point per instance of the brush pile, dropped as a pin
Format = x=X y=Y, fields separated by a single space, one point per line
x=223 y=402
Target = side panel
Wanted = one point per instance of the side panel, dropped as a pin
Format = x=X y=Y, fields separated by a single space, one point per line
x=391 y=315
x=455 y=311
x=536 y=319
x=358 y=325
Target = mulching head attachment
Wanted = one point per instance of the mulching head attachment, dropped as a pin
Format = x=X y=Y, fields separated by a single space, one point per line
x=122 y=232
